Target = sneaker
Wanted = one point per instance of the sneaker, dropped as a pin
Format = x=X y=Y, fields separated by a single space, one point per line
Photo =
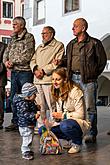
x=90 y=139
x=74 y=149
x=28 y=155
x=11 y=127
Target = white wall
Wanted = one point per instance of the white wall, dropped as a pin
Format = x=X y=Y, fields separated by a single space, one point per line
x=96 y=12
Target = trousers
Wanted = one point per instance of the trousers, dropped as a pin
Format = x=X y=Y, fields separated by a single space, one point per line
x=46 y=102
x=90 y=96
x=27 y=138
x=18 y=78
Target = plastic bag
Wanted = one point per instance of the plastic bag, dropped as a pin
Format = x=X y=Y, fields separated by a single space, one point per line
x=49 y=144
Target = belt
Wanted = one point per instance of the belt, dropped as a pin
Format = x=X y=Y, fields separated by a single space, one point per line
x=76 y=72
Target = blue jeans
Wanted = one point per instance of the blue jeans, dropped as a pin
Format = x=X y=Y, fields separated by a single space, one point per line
x=18 y=78
x=90 y=94
x=69 y=130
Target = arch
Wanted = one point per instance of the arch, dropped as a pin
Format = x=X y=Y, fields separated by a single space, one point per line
x=106 y=43
x=103 y=87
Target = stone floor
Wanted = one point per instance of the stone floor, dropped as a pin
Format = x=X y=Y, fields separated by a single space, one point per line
x=92 y=154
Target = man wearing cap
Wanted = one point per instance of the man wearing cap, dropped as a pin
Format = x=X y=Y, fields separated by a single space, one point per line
x=27 y=113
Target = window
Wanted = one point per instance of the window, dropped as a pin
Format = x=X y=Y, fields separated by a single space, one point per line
x=7 y=10
x=6 y=40
x=22 y=11
x=39 y=12
x=71 y=5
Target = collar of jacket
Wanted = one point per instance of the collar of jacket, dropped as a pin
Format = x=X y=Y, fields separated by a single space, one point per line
x=19 y=37
x=52 y=43
x=87 y=39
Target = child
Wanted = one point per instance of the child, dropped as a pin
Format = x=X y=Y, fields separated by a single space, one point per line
x=26 y=108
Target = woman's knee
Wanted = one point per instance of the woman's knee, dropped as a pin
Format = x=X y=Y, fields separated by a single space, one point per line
x=69 y=124
x=64 y=126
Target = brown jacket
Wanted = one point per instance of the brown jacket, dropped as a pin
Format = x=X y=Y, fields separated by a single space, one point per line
x=92 y=58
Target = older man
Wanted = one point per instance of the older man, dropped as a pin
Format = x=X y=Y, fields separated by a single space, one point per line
x=86 y=59
x=17 y=57
x=45 y=60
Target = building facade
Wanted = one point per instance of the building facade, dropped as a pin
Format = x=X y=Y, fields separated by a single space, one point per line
x=8 y=10
x=61 y=13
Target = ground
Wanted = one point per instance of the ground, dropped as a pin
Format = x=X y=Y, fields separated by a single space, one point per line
x=93 y=154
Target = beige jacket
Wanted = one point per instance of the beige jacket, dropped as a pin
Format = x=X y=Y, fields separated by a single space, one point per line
x=74 y=108
x=43 y=58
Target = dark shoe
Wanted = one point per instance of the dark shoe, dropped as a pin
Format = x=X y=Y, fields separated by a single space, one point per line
x=108 y=133
x=11 y=127
x=90 y=139
x=1 y=126
x=31 y=152
x=28 y=155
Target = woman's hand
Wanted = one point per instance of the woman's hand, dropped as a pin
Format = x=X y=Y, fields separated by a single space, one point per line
x=47 y=124
x=57 y=115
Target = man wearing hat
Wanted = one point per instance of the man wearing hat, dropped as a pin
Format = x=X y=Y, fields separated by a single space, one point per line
x=25 y=107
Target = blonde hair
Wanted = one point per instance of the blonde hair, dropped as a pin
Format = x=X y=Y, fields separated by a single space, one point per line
x=63 y=91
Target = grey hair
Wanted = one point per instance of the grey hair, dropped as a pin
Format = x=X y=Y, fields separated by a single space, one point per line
x=21 y=19
x=51 y=29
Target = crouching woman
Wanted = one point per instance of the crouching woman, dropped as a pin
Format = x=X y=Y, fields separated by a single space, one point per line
x=70 y=119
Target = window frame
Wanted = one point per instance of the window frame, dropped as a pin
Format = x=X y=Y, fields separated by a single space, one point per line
x=6 y=40
x=6 y=12
x=22 y=9
x=65 y=11
x=36 y=20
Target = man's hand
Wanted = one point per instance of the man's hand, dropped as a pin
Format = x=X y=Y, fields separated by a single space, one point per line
x=56 y=61
x=39 y=74
x=8 y=64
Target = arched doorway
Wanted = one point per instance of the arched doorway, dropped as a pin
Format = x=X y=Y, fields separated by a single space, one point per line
x=103 y=94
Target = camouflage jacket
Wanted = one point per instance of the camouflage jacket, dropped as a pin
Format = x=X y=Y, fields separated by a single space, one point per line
x=20 y=51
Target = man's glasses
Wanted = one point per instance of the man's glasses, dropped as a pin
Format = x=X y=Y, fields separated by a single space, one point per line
x=45 y=33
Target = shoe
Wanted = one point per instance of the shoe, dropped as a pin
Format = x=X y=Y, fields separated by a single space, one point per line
x=11 y=127
x=31 y=152
x=67 y=145
x=1 y=126
x=108 y=133
x=74 y=149
x=90 y=139
x=28 y=155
